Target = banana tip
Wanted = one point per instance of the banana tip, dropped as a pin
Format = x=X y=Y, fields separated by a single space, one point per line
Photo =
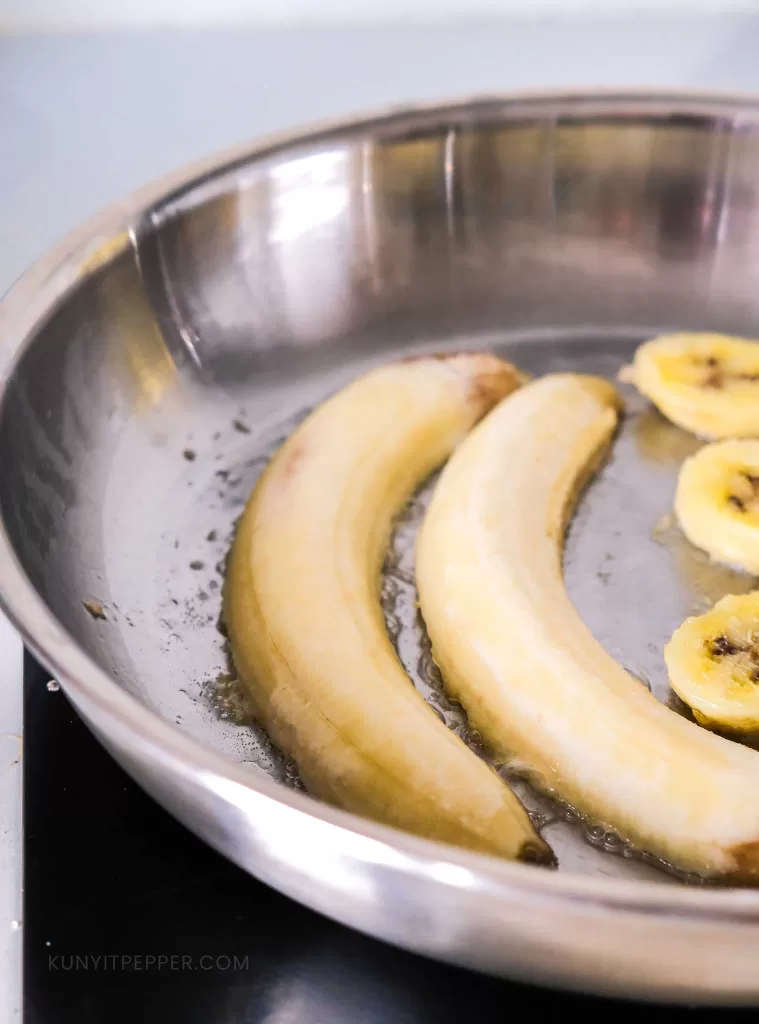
x=488 y=377
x=745 y=858
x=535 y=851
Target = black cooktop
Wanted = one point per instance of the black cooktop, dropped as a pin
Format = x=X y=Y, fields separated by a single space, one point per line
x=128 y=917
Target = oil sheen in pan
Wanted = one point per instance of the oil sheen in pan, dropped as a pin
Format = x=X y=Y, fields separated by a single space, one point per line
x=630 y=574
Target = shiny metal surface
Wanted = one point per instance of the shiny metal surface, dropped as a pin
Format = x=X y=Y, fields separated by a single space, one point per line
x=151 y=363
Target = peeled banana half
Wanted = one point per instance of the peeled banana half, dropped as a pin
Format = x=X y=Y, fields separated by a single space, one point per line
x=534 y=681
x=706 y=383
x=303 y=613
x=713 y=665
x=717 y=502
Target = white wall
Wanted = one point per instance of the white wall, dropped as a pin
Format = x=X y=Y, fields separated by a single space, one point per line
x=68 y=15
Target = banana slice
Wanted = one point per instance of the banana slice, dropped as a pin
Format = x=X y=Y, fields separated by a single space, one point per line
x=705 y=383
x=717 y=502
x=713 y=664
x=534 y=681
x=302 y=607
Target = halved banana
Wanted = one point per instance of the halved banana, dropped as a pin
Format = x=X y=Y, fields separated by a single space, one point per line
x=302 y=607
x=713 y=664
x=717 y=502
x=534 y=680
x=705 y=383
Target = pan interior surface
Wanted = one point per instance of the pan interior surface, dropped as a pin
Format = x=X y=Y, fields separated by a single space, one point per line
x=145 y=406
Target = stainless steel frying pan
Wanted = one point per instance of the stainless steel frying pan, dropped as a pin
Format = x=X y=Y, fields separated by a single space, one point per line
x=152 y=362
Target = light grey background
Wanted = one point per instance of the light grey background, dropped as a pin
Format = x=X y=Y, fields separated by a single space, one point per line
x=65 y=15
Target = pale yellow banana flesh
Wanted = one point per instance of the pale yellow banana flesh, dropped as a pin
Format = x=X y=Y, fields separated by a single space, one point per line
x=713 y=664
x=717 y=502
x=534 y=681
x=302 y=607
x=706 y=383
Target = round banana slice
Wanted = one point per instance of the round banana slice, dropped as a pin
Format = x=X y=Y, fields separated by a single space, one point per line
x=717 y=502
x=705 y=383
x=713 y=664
